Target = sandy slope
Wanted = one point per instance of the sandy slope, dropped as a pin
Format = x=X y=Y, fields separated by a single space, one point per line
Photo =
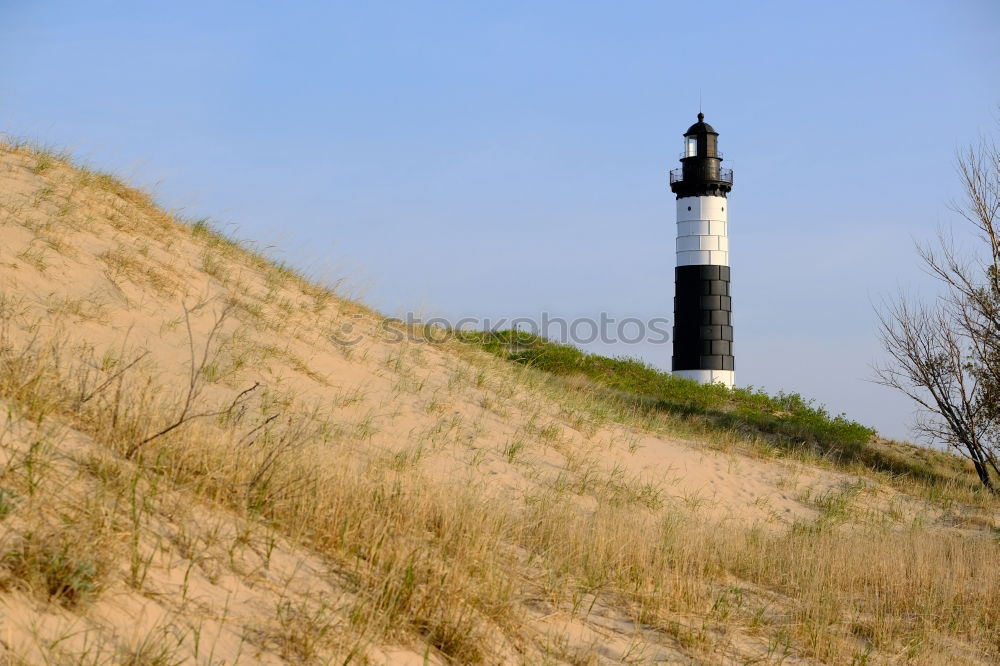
x=101 y=267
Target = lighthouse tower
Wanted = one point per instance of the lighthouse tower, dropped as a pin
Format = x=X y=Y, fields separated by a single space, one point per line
x=703 y=327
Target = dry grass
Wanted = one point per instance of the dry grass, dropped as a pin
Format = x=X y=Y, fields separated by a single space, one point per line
x=454 y=566
x=134 y=472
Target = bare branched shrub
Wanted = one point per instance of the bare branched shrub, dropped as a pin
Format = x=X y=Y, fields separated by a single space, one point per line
x=189 y=408
x=945 y=356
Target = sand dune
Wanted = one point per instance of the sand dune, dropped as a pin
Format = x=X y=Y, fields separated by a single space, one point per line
x=386 y=501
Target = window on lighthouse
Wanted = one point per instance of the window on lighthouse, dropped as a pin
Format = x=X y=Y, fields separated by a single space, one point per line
x=692 y=146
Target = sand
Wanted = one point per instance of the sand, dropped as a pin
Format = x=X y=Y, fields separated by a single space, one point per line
x=112 y=273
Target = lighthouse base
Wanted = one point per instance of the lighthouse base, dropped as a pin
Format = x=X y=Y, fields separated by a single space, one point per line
x=725 y=377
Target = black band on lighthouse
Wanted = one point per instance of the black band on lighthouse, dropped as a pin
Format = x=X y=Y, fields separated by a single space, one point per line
x=703 y=331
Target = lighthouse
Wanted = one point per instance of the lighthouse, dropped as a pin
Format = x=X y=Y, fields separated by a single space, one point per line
x=703 y=327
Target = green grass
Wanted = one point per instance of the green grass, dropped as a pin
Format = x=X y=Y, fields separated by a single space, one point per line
x=785 y=419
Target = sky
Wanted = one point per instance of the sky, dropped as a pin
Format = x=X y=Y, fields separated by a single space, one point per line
x=500 y=160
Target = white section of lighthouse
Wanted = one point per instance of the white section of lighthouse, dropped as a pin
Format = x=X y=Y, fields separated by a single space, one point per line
x=703 y=327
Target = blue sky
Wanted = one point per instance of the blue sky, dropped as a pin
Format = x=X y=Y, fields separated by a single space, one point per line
x=507 y=159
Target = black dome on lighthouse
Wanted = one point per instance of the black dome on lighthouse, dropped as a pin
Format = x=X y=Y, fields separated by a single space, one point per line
x=701 y=173
x=700 y=127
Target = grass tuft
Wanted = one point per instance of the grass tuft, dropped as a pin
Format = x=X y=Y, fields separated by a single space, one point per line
x=53 y=566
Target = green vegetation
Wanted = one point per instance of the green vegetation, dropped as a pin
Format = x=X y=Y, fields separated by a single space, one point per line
x=785 y=419
x=784 y=422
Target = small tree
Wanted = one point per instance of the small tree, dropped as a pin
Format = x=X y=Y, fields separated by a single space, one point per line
x=946 y=355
